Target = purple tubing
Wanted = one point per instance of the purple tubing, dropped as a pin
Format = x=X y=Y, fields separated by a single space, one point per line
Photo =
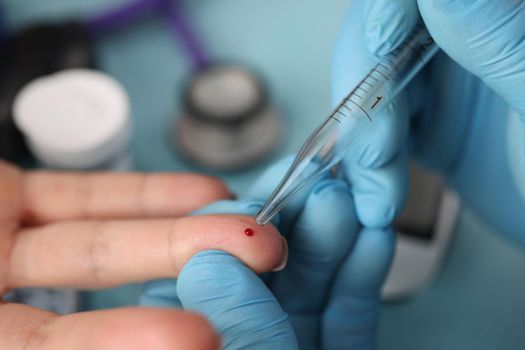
x=135 y=9
x=179 y=25
x=116 y=18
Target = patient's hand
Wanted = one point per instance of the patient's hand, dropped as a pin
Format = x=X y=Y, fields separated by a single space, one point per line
x=100 y=230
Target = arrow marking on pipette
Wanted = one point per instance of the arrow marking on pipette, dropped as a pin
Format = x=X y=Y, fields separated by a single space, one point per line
x=377 y=101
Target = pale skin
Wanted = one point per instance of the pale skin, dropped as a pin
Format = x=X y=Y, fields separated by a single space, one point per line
x=100 y=230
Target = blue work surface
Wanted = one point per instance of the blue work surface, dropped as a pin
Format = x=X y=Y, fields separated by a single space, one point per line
x=478 y=302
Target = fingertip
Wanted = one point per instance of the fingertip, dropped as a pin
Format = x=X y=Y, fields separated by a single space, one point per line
x=389 y=23
x=236 y=301
x=320 y=239
x=377 y=206
x=385 y=140
x=380 y=241
x=375 y=39
x=179 y=194
x=149 y=328
x=379 y=193
x=208 y=189
x=381 y=36
x=443 y=6
x=177 y=330
x=372 y=257
x=330 y=209
x=216 y=275
x=352 y=312
x=203 y=276
x=330 y=187
x=366 y=268
x=199 y=334
x=181 y=330
x=259 y=247
x=375 y=213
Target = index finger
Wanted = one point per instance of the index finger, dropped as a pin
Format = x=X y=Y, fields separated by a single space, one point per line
x=53 y=196
x=102 y=254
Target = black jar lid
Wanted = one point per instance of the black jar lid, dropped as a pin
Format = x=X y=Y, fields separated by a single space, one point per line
x=30 y=53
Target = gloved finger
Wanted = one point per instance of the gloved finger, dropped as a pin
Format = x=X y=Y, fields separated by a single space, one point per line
x=321 y=238
x=24 y=327
x=380 y=192
x=384 y=139
x=236 y=301
x=266 y=184
x=388 y=23
x=487 y=38
x=350 y=318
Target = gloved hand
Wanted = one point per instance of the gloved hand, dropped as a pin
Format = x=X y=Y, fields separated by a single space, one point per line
x=330 y=287
x=461 y=113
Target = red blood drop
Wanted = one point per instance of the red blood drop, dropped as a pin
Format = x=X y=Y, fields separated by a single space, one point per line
x=249 y=232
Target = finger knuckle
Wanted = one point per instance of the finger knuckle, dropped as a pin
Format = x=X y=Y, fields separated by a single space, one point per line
x=97 y=249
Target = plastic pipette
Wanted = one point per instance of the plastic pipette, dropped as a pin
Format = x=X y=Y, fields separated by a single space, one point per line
x=353 y=116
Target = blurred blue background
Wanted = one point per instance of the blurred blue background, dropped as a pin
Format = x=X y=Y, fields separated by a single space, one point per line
x=478 y=302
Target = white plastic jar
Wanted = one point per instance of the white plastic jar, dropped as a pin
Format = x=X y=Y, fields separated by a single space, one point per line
x=76 y=119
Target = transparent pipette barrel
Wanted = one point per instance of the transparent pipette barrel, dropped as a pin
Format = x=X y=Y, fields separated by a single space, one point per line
x=346 y=126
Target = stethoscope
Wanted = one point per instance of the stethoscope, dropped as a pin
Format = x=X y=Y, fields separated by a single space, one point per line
x=226 y=121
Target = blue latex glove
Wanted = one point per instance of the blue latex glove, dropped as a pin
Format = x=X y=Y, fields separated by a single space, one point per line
x=330 y=287
x=461 y=113
x=231 y=296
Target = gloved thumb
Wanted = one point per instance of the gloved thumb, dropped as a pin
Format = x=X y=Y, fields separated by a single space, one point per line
x=487 y=38
x=236 y=301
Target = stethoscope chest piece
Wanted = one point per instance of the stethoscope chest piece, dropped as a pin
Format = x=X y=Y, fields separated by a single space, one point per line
x=227 y=122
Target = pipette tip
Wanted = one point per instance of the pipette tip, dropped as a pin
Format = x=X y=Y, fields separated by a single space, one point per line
x=261 y=221
x=264 y=215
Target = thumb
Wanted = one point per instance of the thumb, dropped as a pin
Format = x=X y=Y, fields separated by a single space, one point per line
x=236 y=301
x=487 y=38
